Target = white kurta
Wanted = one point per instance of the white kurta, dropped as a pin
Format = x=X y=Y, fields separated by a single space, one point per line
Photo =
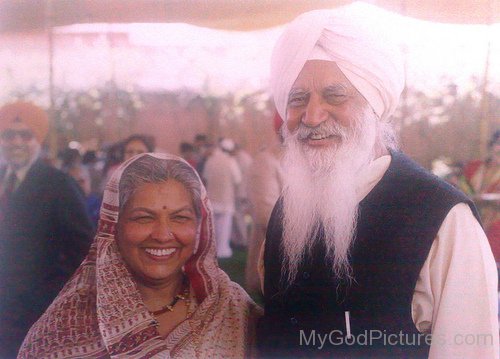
x=456 y=296
x=223 y=177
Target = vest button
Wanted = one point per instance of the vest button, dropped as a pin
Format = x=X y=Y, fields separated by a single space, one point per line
x=306 y=275
x=294 y=321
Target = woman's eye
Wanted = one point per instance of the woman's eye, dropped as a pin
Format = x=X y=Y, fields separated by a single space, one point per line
x=182 y=218
x=141 y=219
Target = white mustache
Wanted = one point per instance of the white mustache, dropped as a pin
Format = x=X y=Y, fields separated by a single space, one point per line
x=326 y=128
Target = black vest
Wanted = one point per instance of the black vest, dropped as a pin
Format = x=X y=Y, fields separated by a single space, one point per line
x=398 y=221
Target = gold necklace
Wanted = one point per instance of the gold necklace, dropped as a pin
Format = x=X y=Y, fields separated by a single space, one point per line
x=170 y=307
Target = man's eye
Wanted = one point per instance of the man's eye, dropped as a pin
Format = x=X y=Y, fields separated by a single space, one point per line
x=297 y=100
x=336 y=96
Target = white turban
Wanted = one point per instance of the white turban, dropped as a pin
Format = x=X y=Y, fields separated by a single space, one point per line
x=370 y=62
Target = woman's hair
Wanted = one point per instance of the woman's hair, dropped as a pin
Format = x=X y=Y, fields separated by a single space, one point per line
x=148 y=141
x=149 y=169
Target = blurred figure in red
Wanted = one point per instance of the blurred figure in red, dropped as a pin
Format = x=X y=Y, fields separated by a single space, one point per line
x=187 y=151
x=483 y=178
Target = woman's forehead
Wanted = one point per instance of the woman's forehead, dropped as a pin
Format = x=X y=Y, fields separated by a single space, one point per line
x=170 y=193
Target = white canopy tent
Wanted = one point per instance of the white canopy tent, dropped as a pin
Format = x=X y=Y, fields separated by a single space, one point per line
x=28 y=15
x=45 y=15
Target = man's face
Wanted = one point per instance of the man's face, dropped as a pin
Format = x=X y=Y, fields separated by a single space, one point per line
x=19 y=145
x=322 y=95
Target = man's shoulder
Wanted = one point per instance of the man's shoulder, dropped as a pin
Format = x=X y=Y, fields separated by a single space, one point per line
x=40 y=168
x=408 y=183
x=405 y=170
x=45 y=173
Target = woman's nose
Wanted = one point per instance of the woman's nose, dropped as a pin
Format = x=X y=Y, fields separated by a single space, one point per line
x=162 y=232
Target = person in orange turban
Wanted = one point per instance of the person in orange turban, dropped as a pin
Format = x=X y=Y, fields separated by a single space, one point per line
x=27 y=113
x=44 y=228
x=23 y=128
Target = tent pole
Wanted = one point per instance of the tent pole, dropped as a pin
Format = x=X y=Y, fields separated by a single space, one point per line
x=52 y=138
x=484 y=121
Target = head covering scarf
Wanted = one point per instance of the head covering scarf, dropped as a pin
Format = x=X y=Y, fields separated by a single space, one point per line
x=365 y=55
x=31 y=115
x=100 y=312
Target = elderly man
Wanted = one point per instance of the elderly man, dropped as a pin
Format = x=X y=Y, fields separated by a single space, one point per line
x=367 y=254
x=44 y=229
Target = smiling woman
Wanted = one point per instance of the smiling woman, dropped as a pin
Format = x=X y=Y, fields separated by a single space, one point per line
x=157 y=229
x=151 y=285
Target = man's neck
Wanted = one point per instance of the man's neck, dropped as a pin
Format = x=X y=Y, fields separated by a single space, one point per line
x=380 y=150
x=21 y=171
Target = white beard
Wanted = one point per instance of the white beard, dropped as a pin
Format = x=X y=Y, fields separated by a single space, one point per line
x=320 y=188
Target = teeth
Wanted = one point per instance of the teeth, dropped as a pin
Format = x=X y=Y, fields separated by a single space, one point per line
x=160 y=252
x=318 y=136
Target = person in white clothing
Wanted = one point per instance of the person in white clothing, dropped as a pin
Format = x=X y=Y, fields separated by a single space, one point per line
x=367 y=254
x=265 y=182
x=222 y=176
x=242 y=217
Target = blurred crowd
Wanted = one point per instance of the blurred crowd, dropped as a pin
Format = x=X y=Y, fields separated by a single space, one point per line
x=242 y=189
x=45 y=200
x=92 y=169
x=225 y=167
x=480 y=180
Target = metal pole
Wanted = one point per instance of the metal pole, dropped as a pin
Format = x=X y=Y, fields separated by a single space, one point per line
x=404 y=95
x=49 y=20
x=484 y=121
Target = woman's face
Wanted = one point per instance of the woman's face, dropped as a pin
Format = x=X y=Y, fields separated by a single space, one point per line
x=133 y=148
x=157 y=232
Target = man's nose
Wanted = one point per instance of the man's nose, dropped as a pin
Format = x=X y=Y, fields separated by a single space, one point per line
x=316 y=112
x=17 y=140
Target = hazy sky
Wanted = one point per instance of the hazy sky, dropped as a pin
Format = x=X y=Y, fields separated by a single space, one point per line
x=177 y=56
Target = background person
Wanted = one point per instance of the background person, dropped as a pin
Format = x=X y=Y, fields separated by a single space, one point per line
x=122 y=151
x=265 y=183
x=81 y=174
x=483 y=179
x=222 y=177
x=202 y=146
x=242 y=218
x=137 y=144
x=44 y=229
x=187 y=152
x=150 y=286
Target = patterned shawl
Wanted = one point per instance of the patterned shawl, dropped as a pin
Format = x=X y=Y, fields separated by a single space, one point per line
x=100 y=313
